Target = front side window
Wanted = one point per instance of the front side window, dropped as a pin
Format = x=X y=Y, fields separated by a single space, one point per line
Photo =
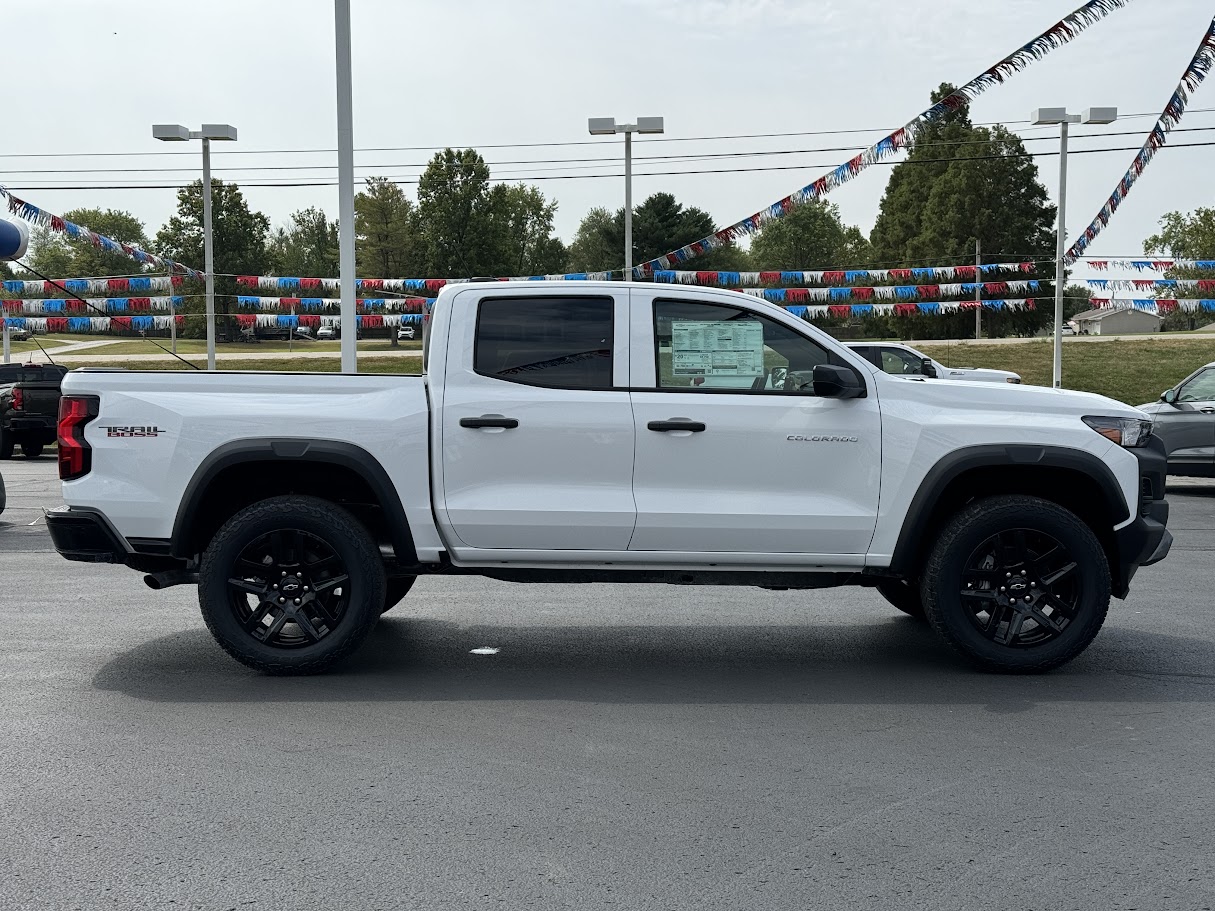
x=1199 y=389
x=708 y=347
x=901 y=363
x=546 y=341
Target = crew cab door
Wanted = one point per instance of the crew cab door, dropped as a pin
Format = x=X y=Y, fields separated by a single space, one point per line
x=764 y=466
x=535 y=421
x=1188 y=425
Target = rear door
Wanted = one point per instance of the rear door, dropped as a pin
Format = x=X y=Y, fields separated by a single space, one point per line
x=735 y=453
x=536 y=423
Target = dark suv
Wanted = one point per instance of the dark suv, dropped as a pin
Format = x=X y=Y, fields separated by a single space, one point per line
x=29 y=407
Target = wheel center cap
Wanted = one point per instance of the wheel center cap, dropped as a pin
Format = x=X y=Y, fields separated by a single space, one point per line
x=1017 y=585
x=290 y=585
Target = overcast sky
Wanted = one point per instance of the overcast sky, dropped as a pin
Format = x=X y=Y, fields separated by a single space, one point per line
x=92 y=77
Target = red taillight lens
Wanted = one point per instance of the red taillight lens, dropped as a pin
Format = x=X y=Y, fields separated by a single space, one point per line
x=75 y=454
x=18 y=399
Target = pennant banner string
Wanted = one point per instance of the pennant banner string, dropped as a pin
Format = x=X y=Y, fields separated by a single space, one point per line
x=1191 y=79
x=27 y=211
x=1054 y=37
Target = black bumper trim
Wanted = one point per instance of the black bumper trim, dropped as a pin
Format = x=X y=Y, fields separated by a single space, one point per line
x=1146 y=540
x=86 y=536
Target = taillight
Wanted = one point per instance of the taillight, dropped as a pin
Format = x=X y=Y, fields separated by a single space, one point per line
x=75 y=454
x=18 y=399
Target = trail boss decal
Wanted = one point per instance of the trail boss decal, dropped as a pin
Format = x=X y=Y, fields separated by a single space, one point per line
x=823 y=439
x=122 y=431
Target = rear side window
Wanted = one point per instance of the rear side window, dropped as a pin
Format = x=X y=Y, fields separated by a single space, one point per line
x=18 y=373
x=546 y=341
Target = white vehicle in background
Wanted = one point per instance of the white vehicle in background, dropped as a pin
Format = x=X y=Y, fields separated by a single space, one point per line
x=612 y=432
x=903 y=360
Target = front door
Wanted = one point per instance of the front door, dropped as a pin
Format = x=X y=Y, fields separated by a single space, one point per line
x=763 y=465
x=537 y=428
x=1188 y=426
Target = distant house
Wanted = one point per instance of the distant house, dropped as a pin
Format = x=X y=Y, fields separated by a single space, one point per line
x=1114 y=321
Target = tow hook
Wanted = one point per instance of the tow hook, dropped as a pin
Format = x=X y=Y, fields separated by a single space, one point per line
x=157 y=581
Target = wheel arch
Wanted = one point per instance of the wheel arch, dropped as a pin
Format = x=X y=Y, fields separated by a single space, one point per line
x=1072 y=478
x=245 y=471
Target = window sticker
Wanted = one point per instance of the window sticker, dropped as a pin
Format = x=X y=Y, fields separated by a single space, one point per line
x=717 y=348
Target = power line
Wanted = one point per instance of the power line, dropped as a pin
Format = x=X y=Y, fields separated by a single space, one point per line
x=409 y=179
x=535 y=145
x=703 y=156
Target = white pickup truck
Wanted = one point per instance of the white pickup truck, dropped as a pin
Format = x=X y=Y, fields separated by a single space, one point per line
x=568 y=434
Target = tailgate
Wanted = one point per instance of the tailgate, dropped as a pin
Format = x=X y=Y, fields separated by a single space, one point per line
x=40 y=399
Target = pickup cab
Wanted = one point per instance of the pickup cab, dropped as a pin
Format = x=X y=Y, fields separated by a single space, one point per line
x=29 y=407
x=568 y=435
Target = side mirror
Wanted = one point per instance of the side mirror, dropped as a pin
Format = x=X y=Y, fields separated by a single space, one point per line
x=1169 y=396
x=927 y=368
x=831 y=382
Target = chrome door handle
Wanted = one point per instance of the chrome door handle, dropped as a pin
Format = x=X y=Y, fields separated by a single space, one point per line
x=1207 y=410
x=676 y=424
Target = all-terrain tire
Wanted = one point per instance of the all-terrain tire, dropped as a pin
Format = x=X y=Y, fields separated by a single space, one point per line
x=1019 y=518
x=395 y=589
x=322 y=521
x=6 y=445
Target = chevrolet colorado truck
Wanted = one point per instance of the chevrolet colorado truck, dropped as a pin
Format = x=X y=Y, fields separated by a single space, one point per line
x=580 y=435
x=29 y=407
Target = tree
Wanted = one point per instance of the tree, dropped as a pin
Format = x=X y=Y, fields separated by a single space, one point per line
x=661 y=224
x=455 y=212
x=309 y=247
x=523 y=228
x=810 y=236
x=960 y=184
x=58 y=256
x=386 y=241
x=239 y=234
x=1184 y=237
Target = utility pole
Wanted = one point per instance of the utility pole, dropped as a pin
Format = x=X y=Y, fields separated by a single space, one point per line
x=978 y=289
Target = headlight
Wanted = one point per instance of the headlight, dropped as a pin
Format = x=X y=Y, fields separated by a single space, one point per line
x=1129 y=432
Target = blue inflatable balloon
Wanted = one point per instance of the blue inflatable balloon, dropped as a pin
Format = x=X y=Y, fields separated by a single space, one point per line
x=14 y=238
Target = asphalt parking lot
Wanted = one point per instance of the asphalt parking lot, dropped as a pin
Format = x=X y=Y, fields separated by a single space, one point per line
x=634 y=747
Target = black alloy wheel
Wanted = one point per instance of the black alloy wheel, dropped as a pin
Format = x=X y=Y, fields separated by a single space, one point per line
x=289 y=589
x=291 y=585
x=1021 y=588
x=1016 y=584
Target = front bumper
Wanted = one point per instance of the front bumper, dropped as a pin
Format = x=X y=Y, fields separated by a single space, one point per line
x=86 y=536
x=1146 y=540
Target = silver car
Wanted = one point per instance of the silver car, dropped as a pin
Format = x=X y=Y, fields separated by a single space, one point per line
x=1185 y=420
x=903 y=360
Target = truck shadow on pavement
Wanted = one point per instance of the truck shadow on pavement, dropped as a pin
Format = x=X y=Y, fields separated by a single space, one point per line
x=899 y=661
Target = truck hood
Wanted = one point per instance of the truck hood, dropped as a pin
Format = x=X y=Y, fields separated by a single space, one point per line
x=1006 y=396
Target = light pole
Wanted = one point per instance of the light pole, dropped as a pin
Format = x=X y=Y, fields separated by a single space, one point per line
x=607 y=126
x=1045 y=117
x=175 y=132
x=345 y=138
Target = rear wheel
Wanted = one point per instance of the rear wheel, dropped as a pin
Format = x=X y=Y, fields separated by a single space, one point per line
x=6 y=445
x=903 y=595
x=1017 y=584
x=395 y=589
x=31 y=450
x=291 y=585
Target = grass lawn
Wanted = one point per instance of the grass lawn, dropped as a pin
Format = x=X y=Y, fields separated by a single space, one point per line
x=47 y=342
x=1134 y=372
x=398 y=365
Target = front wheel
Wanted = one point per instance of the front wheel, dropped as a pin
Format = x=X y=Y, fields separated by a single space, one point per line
x=1017 y=584
x=291 y=585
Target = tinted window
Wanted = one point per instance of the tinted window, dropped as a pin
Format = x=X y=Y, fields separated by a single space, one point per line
x=546 y=341
x=711 y=346
x=1199 y=389
x=20 y=373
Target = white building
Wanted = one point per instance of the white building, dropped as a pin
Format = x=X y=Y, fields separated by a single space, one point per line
x=1116 y=321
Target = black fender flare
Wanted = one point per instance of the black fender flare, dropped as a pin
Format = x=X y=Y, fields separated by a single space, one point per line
x=279 y=449
x=960 y=461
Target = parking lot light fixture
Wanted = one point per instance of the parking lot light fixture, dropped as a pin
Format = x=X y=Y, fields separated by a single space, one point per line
x=1048 y=117
x=607 y=126
x=220 y=132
